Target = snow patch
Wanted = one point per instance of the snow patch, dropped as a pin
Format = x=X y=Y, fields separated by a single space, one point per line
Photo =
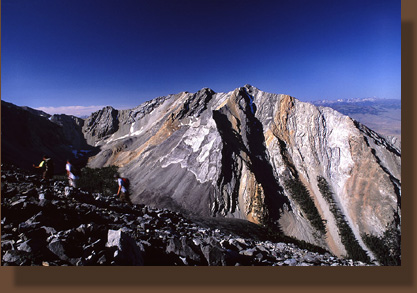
x=196 y=138
x=130 y=134
x=132 y=127
x=205 y=151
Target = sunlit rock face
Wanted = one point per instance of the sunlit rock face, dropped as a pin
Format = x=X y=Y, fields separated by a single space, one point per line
x=307 y=171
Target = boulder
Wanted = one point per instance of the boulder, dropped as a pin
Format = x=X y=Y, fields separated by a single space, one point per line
x=128 y=252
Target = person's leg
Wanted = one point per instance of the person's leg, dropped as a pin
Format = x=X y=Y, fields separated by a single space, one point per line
x=127 y=198
x=122 y=196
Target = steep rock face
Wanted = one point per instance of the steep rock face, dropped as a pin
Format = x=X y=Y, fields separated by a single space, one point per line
x=101 y=124
x=309 y=171
x=322 y=143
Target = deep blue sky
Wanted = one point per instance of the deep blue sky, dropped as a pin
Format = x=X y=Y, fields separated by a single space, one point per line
x=122 y=53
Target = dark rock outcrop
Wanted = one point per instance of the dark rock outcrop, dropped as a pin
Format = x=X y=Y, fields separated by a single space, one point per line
x=28 y=134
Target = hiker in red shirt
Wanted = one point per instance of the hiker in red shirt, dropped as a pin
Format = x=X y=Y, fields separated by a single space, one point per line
x=123 y=191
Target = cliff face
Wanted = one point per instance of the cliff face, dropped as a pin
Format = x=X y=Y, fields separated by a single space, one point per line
x=311 y=172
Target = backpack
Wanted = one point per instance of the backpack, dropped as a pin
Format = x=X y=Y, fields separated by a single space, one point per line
x=126 y=183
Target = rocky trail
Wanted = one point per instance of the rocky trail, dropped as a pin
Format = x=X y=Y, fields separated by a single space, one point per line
x=51 y=224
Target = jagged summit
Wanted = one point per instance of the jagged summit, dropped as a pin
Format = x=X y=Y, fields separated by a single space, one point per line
x=251 y=88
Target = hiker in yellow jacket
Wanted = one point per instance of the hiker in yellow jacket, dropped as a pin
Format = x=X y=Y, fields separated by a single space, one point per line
x=47 y=165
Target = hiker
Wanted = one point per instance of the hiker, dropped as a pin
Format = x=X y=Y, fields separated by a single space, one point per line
x=47 y=165
x=72 y=177
x=123 y=192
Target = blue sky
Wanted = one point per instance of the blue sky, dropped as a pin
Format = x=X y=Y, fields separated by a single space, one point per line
x=85 y=54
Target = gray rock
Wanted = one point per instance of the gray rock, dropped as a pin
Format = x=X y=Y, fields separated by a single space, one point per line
x=101 y=124
x=128 y=252
x=21 y=200
x=249 y=252
x=56 y=246
x=24 y=247
x=7 y=245
x=68 y=191
x=49 y=230
x=14 y=257
x=291 y=262
x=214 y=255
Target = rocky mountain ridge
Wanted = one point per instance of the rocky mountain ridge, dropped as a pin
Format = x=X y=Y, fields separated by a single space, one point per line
x=28 y=134
x=309 y=172
x=257 y=156
x=50 y=224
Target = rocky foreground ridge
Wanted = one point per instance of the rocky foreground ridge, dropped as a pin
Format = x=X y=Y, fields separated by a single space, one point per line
x=51 y=224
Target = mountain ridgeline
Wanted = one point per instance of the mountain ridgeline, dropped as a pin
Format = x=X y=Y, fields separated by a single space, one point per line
x=306 y=171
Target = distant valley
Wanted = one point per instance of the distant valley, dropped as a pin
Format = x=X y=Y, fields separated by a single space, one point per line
x=381 y=115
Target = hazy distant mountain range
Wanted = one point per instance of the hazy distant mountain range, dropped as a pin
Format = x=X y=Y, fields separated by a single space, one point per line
x=381 y=115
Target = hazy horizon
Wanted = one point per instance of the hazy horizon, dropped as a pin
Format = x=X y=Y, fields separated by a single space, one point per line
x=85 y=111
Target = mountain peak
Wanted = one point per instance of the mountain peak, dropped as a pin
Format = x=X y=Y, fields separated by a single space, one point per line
x=248 y=86
x=310 y=173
